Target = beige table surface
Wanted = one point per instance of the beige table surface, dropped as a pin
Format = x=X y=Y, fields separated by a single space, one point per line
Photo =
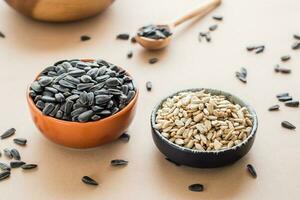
x=30 y=46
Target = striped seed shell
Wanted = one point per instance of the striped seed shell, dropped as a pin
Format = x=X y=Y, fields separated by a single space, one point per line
x=251 y=170
x=8 y=133
x=15 y=153
x=88 y=180
x=4 y=175
x=16 y=164
x=20 y=141
x=29 y=166
x=197 y=187
x=118 y=162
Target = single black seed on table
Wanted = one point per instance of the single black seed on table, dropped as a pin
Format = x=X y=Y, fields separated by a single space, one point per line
x=285 y=58
x=251 y=170
x=20 y=141
x=296 y=46
x=207 y=37
x=125 y=137
x=15 y=153
x=285 y=70
x=213 y=27
x=129 y=54
x=85 y=38
x=4 y=166
x=285 y=98
x=292 y=103
x=88 y=180
x=7 y=153
x=2 y=35
x=260 y=49
x=118 y=162
x=197 y=187
x=288 y=125
x=273 y=108
x=296 y=36
x=277 y=68
x=285 y=94
x=171 y=161
x=4 y=175
x=16 y=164
x=250 y=48
x=153 y=60
x=29 y=166
x=133 y=40
x=8 y=133
x=242 y=79
x=149 y=85
x=217 y=17
x=123 y=36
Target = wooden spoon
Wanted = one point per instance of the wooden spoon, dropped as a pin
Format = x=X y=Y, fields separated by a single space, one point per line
x=155 y=44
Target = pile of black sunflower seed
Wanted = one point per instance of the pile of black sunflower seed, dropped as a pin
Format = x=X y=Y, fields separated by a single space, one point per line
x=79 y=91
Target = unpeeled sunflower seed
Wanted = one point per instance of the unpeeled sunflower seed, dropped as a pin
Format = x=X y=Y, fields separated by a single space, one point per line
x=4 y=166
x=292 y=103
x=118 y=162
x=88 y=180
x=129 y=54
x=149 y=85
x=16 y=164
x=285 y=58
x=217 y=17
x=197 y=187
x=123 y=36
x=125 y=137
x=29 y=166
x=7 y=153
x=273 y=108
x=2 y=35
x=8 y=133
x=85 y=38
x=4 y=175
x=213 y=27
x=288 y=125
x=251 y=171
x=153 y=60
x=15 y=154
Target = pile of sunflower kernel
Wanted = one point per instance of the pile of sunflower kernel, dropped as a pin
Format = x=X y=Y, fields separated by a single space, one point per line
x=203 y=121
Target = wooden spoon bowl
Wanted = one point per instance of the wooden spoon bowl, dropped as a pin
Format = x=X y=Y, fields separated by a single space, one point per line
x=59 y=10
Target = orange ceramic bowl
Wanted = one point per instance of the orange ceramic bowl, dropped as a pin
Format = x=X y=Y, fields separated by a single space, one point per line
x=83 y=135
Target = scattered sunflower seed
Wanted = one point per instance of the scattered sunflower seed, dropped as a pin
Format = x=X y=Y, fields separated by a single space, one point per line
x=197 y=187
x=285 y=58
x=4 y=166
x=277 y=68
x=129 y=54
x=123 y=36
x=15 y=154
x=149 y=85
x=273 y=108
x=4 y=175
x=242 y=75
x=29 y=166
x=296 y=36
x=2 y=35
x=251 y=171
x=296 y=46
x=213 y=27
x=16 y=164
x=292 y=103
x=125 y=137
x=118 y=162
x=85 y=38
x=8 y=133
x=7 y=153
x=285 y=98
x=288 y=125
x=153 y=60
x=133 y=40
x=88 y=180
x=285 y=70
x=217 y=17
x=250 y=48
x=171 y=161
x=285 y=94
x=260 y=49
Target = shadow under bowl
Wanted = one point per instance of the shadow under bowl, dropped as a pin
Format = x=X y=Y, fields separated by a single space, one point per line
x=87 y=134
x=204 y=159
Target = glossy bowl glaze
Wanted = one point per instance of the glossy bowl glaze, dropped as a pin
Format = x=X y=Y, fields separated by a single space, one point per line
x=204 y=159
x=83 y=135
x=59 y=10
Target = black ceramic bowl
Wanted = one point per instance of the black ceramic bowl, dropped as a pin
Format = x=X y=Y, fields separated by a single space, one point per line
x=204 y=159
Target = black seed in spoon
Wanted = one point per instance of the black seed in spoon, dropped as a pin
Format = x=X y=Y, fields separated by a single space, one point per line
x=4 y=166
x=118 y=162
x=273 y=108
x=125 y=137
x=285 y=94
x=8 y=133
x=296 y=36
x=29 y=166
x=88 y=180
x=4 y=175
x=213 y=27
x=285 y=98
x=197 y=187
x=292 y=103
x=285 y=58
x=252 y=170
x=2 y=35
x=217 y=17
x=171 y=161
x=15 y=154
x=16 y=164
x=123 y=36
x=288 y=125
x=85 y=38
x=153 y=60
x=20 y=141
x=149 y=85
x=296 y=46
x=129 y=54
x=7 y=153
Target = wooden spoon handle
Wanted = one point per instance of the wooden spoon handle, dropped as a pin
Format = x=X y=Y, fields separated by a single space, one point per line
x=199 y=11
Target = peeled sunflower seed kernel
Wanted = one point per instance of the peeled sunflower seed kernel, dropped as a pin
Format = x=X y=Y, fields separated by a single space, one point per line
x=89 y=181
x=8 y=133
